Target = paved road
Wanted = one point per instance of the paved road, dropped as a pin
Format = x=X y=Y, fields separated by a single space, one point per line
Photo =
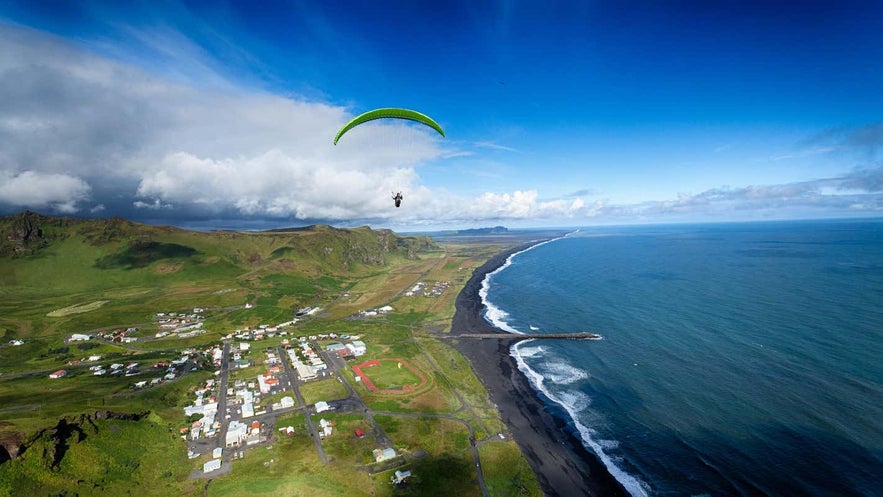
x=295 y=387
x=222 y=397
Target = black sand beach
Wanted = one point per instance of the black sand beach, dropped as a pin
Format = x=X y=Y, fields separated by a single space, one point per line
x=562 y=465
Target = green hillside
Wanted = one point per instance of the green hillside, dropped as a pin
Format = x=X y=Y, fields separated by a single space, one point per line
x=49 y=264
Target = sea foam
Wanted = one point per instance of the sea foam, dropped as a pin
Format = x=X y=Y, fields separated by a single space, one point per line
x=633 y=485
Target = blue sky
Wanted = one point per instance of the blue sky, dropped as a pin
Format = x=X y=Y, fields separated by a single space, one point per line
x=221 y=114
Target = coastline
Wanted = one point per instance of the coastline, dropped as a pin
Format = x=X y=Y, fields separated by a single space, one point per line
x=562 y=465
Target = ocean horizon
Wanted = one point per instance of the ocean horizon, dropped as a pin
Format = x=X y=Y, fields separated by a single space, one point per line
x=737 y=359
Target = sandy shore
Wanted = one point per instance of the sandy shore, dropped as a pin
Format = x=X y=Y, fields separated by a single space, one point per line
x=562 y=465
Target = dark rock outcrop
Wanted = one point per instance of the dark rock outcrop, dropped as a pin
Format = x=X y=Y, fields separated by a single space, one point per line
x=28 y=232
x=56 y=440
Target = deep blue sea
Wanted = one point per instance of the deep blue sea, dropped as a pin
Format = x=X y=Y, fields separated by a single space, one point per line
x=737 y=359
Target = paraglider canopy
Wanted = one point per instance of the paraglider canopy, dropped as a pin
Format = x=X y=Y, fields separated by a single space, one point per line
x=389 y=113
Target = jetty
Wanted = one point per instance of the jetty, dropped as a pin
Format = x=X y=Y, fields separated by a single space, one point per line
x=528 y=336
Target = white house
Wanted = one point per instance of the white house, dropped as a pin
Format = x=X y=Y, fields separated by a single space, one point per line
x=213 y=465
x=236 y=433
x=400 y=476
x=305 y=372
x=384 y=454
x=287 y=402
x=357 y=348
x=322 y=406
x=326 y=427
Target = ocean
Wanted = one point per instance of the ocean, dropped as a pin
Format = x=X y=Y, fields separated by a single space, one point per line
x=736 y=359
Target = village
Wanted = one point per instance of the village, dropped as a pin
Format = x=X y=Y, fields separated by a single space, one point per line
x=227 y=420
x=227 y=416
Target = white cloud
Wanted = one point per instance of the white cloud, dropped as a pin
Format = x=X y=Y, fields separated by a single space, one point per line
x=192 y=149
x=59 y=192
x=495 y=146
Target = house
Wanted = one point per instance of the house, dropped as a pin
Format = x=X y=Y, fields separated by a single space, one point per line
x=381 y=455
x=305 y=372
x=325 y=425
x=79 y=337
x=359 y=433
x=400 y=476
x=357 y=348
x=335 y=347
x=322 y=406
x=265 y=382
x=287 y=402
x=213 y=465
x=216 y=454
x=58 y=374
x=235 y=433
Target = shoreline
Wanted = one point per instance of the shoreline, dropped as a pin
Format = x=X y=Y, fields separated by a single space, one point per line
x=562 y=465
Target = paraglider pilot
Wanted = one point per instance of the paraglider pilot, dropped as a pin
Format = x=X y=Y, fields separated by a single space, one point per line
x=398 y=199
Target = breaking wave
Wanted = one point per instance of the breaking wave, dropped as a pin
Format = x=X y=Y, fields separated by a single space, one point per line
x=573 y=403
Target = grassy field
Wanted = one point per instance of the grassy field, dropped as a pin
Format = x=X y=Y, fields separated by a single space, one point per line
x=506 y=472
x=114 y=274
x=393 y=374
x=327 y=390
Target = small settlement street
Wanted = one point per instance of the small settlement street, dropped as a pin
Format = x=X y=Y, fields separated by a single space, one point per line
x=231 y=425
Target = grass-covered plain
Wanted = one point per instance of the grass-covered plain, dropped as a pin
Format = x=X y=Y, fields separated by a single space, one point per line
x=102 y=275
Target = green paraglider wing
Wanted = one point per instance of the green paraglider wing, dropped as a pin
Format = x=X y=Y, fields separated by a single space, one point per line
x=389 y=113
